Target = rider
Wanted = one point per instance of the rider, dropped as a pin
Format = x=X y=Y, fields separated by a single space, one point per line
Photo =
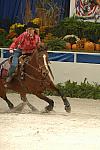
x=25 y=43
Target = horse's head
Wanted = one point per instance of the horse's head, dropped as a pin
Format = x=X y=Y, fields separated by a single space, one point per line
x=42 y=47
x=43 y=59
x=39 y=62
x=43 y=62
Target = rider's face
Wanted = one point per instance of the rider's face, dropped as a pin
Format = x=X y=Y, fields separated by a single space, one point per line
x=30 y=31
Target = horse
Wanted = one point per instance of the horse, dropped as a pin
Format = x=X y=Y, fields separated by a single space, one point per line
x=34 y=77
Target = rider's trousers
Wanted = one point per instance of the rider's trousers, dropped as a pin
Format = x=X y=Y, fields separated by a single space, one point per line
x=16 y=55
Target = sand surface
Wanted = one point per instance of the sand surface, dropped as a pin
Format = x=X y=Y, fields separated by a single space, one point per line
x=58 y=130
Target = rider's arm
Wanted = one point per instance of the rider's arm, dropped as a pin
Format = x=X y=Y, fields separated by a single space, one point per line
x=17 y=41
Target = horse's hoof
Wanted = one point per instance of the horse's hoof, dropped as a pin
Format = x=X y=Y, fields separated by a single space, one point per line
x=68 y=108
x=32 y=107
x=48 y=108
x=44 y=111
x=18 y=108
x=11 y=106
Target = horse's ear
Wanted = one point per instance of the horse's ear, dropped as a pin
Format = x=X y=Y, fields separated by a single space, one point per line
x=42 y=47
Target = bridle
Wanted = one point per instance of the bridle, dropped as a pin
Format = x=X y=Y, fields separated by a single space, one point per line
x=38 y=69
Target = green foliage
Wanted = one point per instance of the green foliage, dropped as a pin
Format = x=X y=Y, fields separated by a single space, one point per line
x=56 y=44
x=19 y=30
x=3 y=41
x=83 y=90
x=80 y=28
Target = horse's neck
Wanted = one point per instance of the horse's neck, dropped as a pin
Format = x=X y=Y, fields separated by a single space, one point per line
x=34 y=59
x=37 y=59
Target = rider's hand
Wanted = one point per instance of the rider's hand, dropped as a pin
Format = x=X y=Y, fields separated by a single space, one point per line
x=11 y=50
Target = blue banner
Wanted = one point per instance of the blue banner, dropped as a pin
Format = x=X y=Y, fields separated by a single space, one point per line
x=62 y=57
x=88 y=58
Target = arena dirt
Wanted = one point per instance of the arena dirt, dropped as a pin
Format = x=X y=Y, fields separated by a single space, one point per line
x=58 y=130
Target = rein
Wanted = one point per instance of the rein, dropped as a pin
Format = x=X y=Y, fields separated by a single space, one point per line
x=32 y=66
x=31 y=77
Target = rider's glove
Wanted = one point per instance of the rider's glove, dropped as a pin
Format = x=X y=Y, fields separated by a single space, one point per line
x=11 y=50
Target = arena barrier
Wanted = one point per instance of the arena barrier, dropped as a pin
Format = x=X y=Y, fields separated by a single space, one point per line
x=74 y=66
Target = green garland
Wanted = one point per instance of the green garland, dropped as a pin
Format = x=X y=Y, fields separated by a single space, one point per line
x=82 y=90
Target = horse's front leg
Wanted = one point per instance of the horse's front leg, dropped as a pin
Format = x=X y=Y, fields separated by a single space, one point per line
x=26 y=102
x=48 y=100
x=65 y=101
x=67 y=104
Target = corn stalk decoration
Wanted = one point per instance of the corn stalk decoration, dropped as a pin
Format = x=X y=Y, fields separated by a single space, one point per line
x=48 y=11
x=28 y=12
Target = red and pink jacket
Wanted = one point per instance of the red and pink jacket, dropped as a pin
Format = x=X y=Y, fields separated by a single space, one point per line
x=25 y=42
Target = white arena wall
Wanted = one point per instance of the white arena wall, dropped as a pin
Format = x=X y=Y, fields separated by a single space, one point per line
x=64 y=71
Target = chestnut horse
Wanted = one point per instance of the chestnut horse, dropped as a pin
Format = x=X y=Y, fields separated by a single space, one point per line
x=36 y=79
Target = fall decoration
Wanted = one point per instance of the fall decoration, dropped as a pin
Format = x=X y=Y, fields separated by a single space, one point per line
x=89 y=46
x=2 y=30
x=68 y=46
x=97 y=47
x=28 y=12
x=74 y=46
x=11 y=35
x=15 y=26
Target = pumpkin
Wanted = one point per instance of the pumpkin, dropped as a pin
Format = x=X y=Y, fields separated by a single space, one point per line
x=97 y=47
x=74 y=46
x=89 y=46
x=68 y=45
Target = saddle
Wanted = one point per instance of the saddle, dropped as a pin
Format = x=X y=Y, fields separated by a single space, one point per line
x=5 y=65
x=22 y=60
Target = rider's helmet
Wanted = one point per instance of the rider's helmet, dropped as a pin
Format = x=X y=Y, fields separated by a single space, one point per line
x=31 y=25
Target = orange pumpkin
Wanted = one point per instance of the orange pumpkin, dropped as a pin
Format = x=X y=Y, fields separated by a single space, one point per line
x=97 y=47
x=74 y=46
x=89 y=46
x=68 y=45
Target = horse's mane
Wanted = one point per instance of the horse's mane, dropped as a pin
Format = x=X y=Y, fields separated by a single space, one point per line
x=34 y=59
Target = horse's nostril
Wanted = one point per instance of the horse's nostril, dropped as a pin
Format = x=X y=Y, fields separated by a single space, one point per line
x=43 y=73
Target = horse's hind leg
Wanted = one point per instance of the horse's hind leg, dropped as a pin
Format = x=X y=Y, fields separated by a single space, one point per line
x=20 y=107
x=3 y=95
x=25 y=102
x=48 y=100
x=10 y=105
